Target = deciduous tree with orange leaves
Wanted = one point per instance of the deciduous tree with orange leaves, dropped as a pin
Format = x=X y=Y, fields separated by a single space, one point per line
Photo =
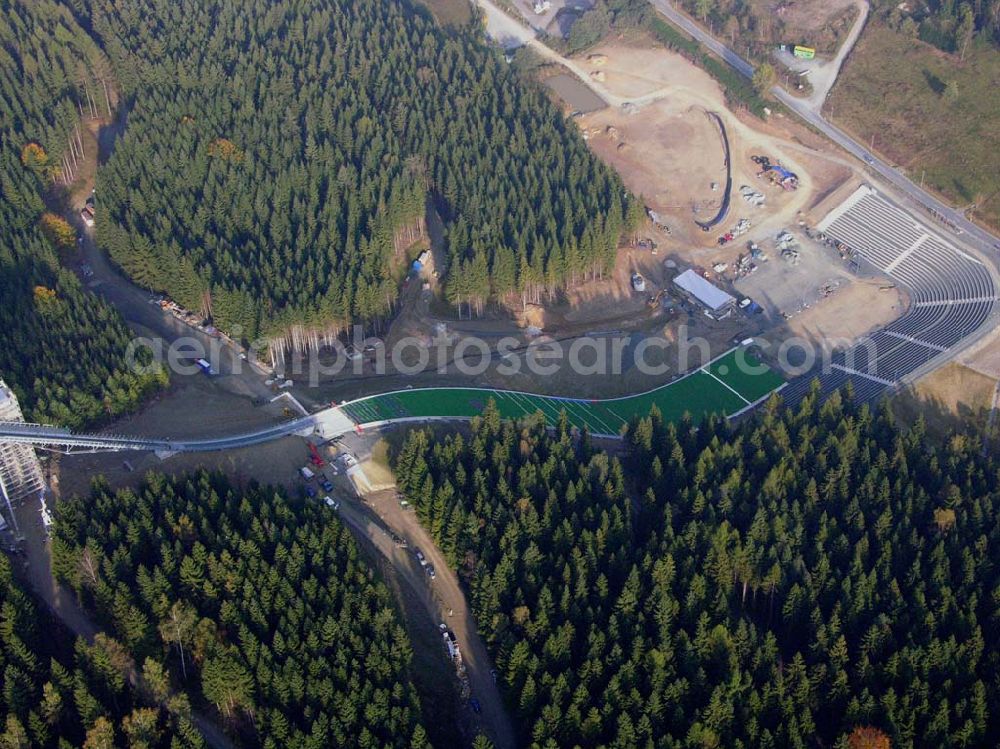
x=58 y=231
x=866 y=737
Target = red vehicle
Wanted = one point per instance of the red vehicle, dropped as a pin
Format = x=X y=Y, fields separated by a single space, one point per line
x=315 y=457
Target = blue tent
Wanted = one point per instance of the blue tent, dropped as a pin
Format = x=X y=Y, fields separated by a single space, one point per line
x=785 y=174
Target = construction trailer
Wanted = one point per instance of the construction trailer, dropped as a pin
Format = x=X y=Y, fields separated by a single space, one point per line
x=717 y=303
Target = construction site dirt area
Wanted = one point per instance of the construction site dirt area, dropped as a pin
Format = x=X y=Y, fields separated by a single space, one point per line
x=668 y=150
x=816 y=294
x=953 y=397
x=984 y=355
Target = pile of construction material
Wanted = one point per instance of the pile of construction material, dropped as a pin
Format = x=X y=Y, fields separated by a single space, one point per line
x=741 y=228
x=745 y=266
x=658 y=221
x=751 y=196
x=829 y=288
x=756 y=253
x=788 y=246
x=776 y=173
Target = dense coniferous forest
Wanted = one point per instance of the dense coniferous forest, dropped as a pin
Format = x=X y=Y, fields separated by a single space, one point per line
x=817 y=577
x=278 y=156
x=57 y=694
x=258 y=605
x=61 y=349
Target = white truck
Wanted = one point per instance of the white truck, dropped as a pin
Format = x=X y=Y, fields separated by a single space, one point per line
x=307 y=474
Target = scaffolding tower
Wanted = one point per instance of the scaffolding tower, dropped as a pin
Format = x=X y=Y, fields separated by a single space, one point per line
x=20 y=471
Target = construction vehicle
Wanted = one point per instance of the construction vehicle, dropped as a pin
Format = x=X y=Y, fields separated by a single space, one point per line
x=315 y=457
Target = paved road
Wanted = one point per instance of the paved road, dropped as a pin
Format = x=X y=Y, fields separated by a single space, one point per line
x=973 y=233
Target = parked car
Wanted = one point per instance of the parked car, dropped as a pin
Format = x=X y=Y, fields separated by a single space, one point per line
x=430 y=571
x=474 y=704
x=327 y=486
x=311 y=492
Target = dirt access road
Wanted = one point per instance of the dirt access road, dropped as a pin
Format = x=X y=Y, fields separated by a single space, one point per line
x=443 y=597
x=235 y=375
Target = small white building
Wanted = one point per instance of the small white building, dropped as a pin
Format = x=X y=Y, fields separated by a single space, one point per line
x=707 y=294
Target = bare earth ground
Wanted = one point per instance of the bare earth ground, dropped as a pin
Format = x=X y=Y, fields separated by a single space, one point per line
x=447 y=603
x=670 y=153
x=984 y=357
x=954 y=397
x=833 y=46
x=194 y=406
x=861 y=312
x=805 y=19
